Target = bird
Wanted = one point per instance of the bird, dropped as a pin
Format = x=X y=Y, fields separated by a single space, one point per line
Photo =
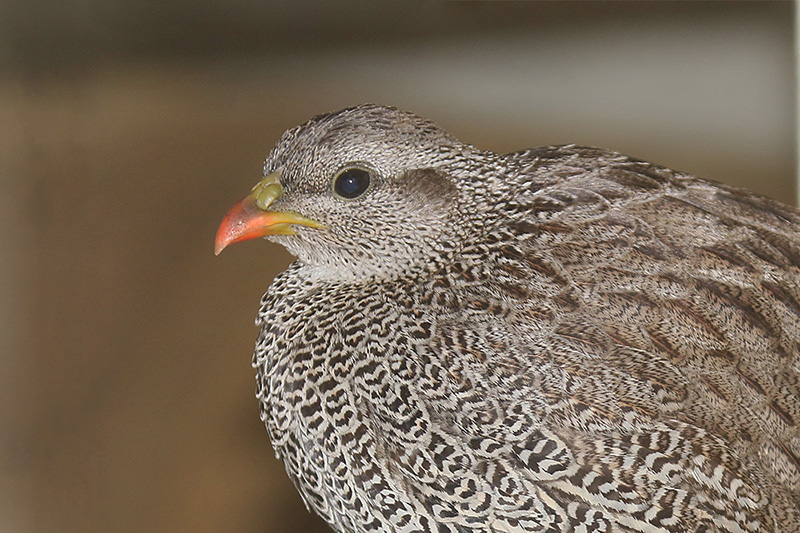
x=562 y=338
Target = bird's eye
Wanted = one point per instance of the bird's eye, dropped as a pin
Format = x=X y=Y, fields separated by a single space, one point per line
x=351 y=183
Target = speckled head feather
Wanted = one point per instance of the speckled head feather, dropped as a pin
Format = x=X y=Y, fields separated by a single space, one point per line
x=412 y=200
x=558 y=339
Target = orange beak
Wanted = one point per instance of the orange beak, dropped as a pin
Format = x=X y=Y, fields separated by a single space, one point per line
x=251 y=217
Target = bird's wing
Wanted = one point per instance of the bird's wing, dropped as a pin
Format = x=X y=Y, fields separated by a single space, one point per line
x=622 y=349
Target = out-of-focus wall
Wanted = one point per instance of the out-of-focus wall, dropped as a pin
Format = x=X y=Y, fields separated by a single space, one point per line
x=127 y=129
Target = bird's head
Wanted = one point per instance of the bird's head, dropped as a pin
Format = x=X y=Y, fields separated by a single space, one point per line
x=365 y=191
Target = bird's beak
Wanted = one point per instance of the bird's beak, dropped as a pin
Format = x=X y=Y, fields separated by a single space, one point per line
x=251 y=218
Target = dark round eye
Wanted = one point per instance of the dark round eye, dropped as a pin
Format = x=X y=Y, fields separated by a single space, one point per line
x=351 y=183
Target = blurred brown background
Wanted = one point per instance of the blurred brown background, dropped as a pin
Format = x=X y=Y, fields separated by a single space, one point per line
x=128 y=128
